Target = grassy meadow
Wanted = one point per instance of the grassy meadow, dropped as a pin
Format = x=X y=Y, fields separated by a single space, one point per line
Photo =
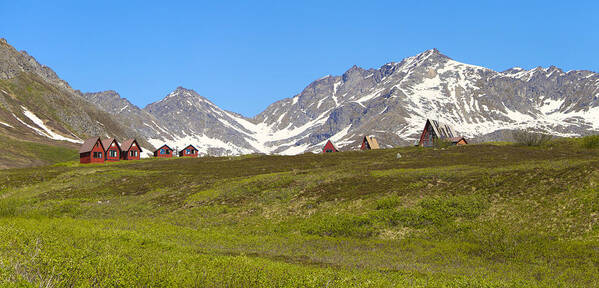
x=489 y=215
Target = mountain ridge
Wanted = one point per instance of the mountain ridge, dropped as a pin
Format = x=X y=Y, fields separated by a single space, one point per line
x=390 y=102
x=332 y=106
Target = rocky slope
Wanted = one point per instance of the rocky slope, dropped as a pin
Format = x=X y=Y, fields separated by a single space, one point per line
x=36 y=105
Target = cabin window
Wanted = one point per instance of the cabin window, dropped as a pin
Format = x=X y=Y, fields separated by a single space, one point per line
x=112 y=153
x=97 y=154
x=329 y=151
x=162 y=151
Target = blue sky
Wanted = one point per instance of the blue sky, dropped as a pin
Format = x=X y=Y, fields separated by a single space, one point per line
x=245 y=55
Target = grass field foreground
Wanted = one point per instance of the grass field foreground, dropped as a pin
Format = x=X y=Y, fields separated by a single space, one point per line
x=474 y=216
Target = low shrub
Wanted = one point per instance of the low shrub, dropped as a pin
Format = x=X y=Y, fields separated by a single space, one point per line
x=437 y=211
x=339 y=225
x=531 y=138
x=442 y=143
x=387 y=203
x=590 y=142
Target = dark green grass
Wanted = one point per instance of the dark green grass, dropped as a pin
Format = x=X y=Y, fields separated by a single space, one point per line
x=474 y=216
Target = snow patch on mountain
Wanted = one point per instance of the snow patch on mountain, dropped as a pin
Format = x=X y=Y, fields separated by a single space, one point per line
x=45 y=130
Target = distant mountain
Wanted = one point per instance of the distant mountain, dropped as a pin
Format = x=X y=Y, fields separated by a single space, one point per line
x=391 y=103
x=192 y=119
x=36 y=105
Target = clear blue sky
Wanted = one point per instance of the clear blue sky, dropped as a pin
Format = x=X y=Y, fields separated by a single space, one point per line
x=245 y=55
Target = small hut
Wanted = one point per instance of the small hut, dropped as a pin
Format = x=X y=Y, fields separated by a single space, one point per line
x=189 y=151
x=435 y=131
x=130 y=150
x=164 y=152
x=91 y=151
x=329 y=147
x=369 y=143
x=458 y=141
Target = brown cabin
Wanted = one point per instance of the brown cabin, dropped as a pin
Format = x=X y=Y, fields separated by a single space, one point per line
x=369 y=143
x=189 y=151
x=458 y=141
x=112 y=150
x=91 y=151
x=130 y=150
x=437 y=131
x=329 y=147
x=164 y=152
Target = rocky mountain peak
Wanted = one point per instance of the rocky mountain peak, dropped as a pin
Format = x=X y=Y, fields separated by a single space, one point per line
x=432 y=54
x=108 y=93
x=13 y=63
x=183 y=93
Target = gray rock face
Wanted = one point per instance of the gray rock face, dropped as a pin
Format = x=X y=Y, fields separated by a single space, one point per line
x=13 y=62
x=192 y=119
x=127 y=113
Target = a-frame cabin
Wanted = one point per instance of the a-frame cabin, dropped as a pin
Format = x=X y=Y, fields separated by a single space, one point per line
x=435 y=131
x=369 y=143
x=329 y=147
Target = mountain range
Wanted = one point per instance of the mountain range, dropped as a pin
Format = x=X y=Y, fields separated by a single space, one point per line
x=391 y=102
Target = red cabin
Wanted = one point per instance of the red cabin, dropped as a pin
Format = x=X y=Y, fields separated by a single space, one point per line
x=164 y=152
x=91 y=151
x=189 y=151
x=112 y=150
x=130 y=150
x=329 y=147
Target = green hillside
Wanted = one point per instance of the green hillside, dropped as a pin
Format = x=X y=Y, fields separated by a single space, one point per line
x=474 y=216
x=18 y=153
x=61 y=109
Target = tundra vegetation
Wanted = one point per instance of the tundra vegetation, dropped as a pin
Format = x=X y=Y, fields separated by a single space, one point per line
x=488 y=215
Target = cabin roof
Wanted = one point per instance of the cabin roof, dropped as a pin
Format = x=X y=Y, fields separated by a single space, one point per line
x=442 y=130
x=163 y=146
x=106 y=143
x=127 y=145
x=89 y=144
x=457 y=139
x=329 y=141
x=189 y=146
x=372 y=142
